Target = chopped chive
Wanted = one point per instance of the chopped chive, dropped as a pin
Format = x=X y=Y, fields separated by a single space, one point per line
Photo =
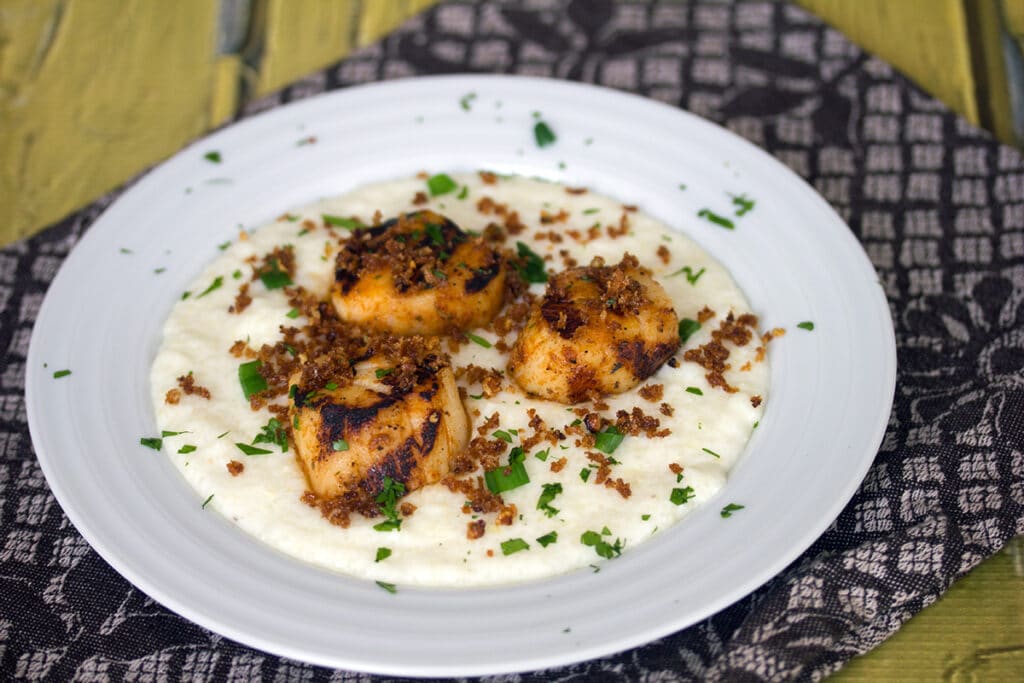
x=339 y=445
x=585 y=474
x=250 y=378
x=507 y=477
x=61 y=373
x=543 y=134
x=251 y=450
x=806 y=325
x=223 y=434
x=680 y=496
x=691 y=276
x=126 y=250
x=743 y=203
x=608 y=439
x=478 y=340
x=503 y=435
x=542 y=455
x=294 y=313
x=217 y=282
x=207 y=502
x=165 y=433
x=389 y=587
x=187 y=448
x=382 y=554
x=441 y=183
x=711 y=452
x=713 y=217
x=687 y=327
x=694 y=390
x=213 y=157
x=513 y=545
x=152 y=442
x=730 y=508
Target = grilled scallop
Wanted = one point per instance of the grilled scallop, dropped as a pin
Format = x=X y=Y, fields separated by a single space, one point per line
x=349 y=438
x=418 y=274
x=597 y=330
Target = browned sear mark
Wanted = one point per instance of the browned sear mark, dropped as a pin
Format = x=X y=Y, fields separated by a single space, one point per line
x=189 y=386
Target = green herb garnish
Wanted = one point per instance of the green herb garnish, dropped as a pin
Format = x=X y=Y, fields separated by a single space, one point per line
x=275 y=278
x=251 y=450
x=478 y=340
x=532 y=268
x=383 y=372
x=187 y=448
x=602 y=547
x=743 y=203
x=389 y=587
x=694 y=390
x=585 y=474
x=152 y=442
x=503 y=435
x=713 y=217
x=711 y=452
x=547 y=539
x=213 y=157
x=680 y=496
x=441 y=183
x=293 y=314
x=61 y=373
x=730 y=508
x=608 y=439
x=510 y=476
x=513 y=545
x=342 y=222
x=543 y=134
x=687 y=326
x=206 y=502
x=217 y=282
x=548 y=494
x=542 y=455
x=339 y=445
x=275 y=433
x=691 y=276
x=250 y=378
x=806 y=325
x=387 y=499
x=466 y=100
x=382 y=554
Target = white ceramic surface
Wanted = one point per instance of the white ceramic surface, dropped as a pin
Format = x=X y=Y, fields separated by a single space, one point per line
x=831 y=388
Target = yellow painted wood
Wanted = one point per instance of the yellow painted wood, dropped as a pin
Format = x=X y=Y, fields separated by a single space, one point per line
x=994 y=108
x=225 y=89
x=90 y=94
x=300 y=38
x=925 y=39
x=975 y=632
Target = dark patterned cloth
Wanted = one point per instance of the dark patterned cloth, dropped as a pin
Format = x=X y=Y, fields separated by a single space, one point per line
x=937 y=205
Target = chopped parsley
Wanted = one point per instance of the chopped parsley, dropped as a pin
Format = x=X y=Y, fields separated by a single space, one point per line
x=608 y=439
x=339 y=445
x=687 y=326
x=694 y=390
x=711 y=452
x=508 y=477
x=251 y=450
x=441 y=183
x=463 y=193
x=224 y=245
x=187 y=448
x=806 y=325
x=382 y=554
x=542 y=455
x=387 y=499
x=587 y=212
x=166 y=432
x=713 y=217
x=743 y=204
x=126 y=250
x=389 y=587
x=478 y=340
x=548 y=494
x=274 y=433
x=217 y=282
x=547 y=539
x=383 y=372
x=503 y=435
x=152 y=442
x=513 y=545
x=213 y=157
x=585 y=474
x=602 y=547
x=466 y=101
x=532 y=267
x=61 y=373
x=275 y=278
x=293 y=314
x=250 y=378
x=680 y=496
x=543 y=134
x=730 y=508
x=342 y=222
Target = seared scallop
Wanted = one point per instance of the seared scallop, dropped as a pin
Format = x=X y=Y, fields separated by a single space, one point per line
x=392 y=420
x=418 y=274
x=597 y=330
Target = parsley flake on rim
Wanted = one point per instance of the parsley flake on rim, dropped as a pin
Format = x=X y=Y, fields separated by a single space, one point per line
x=206 y=502
x=217 y=282
x=152 y=442
x=729 y=509
x=61 y=373
x=806 y=325
x=389 y=587
x=713 y=217
x=543 y=135
x=213 y=157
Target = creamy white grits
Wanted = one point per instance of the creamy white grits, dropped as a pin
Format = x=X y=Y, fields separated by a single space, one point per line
x=709 y=427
